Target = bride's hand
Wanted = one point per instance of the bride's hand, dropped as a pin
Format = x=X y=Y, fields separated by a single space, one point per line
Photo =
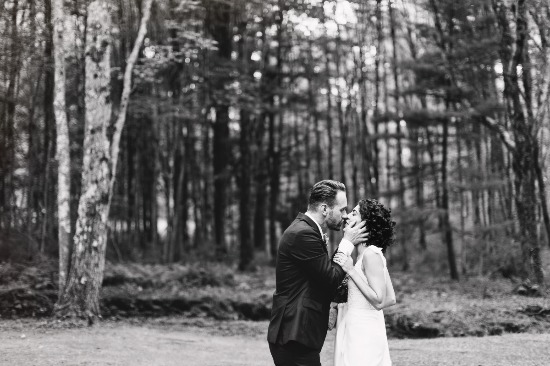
x=344 y=261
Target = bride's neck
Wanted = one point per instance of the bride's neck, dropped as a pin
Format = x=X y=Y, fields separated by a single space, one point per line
x=360 y=249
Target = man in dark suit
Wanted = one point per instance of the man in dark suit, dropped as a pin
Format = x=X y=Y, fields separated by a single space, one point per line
x=306 y=278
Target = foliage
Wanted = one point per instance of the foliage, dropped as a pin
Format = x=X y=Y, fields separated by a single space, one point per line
x=407 y=102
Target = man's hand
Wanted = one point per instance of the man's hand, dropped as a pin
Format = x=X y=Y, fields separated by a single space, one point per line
x=344 y=261
x=356 y=233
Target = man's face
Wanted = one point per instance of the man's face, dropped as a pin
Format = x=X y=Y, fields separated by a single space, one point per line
x=338 y=213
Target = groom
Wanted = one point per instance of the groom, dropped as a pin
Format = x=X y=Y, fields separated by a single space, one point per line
x=306 y=278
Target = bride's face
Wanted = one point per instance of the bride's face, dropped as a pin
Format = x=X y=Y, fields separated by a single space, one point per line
x=354 y=216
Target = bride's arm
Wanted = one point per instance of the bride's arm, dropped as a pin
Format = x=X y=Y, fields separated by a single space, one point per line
x=390 y=293
x=374 y=289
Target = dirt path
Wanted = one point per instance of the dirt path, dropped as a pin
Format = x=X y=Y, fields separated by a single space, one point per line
x=131 y=344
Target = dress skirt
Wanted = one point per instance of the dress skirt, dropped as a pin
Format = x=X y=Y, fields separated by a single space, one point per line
x=361 y=338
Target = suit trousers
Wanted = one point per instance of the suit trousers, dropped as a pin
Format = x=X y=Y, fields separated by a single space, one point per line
x=294 y=354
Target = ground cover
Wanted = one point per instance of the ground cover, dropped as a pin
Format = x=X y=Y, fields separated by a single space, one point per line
x=427 y=307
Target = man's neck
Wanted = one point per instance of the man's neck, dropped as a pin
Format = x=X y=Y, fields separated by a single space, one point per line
x=318 y=218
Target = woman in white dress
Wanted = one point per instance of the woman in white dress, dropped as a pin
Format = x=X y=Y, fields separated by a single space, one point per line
x=360 y=329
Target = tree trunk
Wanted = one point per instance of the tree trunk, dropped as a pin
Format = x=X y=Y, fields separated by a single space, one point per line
x=513 y=52
x=33 y=141
x=341 y=116
x=130 y=189
x=80 y=297
x=62 y=145
x=246 y=248
x=543 y=201
x=329 y=132
x=445 y=215
x=154 y=179
x=219 y=22
x=418 y=154
x=387 y=137
x=418 y=164
x=367 y=145
x=312 y=104
x=399 y=157
x=207 y=187
x=221 y=175
x=7 y=121
x=246 y=245
x=77 y=110
x=274 y=186
x=446 y=46
x=462 y=252
x=377 y=84
x=261 y=180
x=260 y=206
x=174 y=249
x=49 y=128
x=275 y=139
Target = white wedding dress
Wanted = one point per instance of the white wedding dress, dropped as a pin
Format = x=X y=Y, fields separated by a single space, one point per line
x=360 y=329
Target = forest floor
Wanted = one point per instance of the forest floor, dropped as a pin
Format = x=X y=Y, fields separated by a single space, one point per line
x=177 y=341
x=428 y=306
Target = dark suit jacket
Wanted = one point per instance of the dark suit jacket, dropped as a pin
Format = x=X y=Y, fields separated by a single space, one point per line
x=306 y=280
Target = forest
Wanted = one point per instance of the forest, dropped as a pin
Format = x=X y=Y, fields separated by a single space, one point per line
x=169 y=132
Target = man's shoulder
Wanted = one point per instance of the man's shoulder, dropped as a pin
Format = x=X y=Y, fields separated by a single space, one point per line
x=297 y=235
x=299 y=225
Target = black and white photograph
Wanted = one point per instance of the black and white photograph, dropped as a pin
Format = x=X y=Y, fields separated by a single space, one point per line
x=274 y=182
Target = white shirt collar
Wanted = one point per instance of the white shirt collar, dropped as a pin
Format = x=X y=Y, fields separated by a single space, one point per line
x=319 y=226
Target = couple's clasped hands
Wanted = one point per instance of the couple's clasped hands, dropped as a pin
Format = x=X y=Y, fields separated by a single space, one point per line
x=346 y=262
x=356 y=233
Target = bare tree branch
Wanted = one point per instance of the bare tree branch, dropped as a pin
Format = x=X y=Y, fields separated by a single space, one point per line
x=127 y=86
x=504 y=135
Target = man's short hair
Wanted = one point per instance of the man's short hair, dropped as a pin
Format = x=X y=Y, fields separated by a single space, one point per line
x=324 y=192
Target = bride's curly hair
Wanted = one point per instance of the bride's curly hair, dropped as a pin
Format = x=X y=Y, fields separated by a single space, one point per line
x=379 y=223
x=380 y=227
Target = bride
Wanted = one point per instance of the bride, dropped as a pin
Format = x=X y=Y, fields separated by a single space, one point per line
x=360 y=329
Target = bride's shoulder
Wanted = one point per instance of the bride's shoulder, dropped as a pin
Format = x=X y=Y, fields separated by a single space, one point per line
x=375 y=249
x=373 y=255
